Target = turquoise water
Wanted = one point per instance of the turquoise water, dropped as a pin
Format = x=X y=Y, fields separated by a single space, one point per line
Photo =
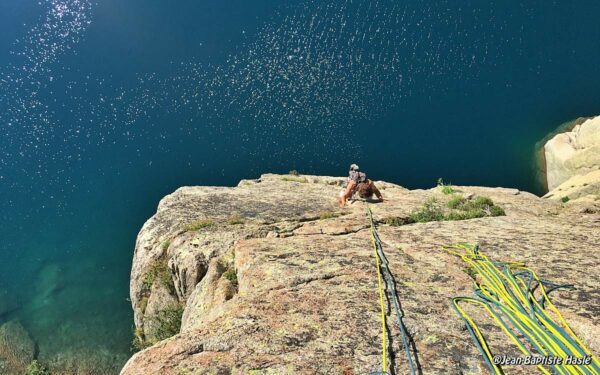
x=107 y=106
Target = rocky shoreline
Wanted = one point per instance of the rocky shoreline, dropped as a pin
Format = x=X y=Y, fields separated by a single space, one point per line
x=571 y=161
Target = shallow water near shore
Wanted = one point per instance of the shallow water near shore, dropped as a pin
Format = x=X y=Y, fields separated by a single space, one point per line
x=106 y=107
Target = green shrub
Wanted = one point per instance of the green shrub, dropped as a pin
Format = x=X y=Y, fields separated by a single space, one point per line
x=168 y=321
x=565 y=199
x=430 y=211
x=294 y=172
x=460 y=209
x=158 y=270
x=168 y=324
x=165 y=245
x=235 y=219
x=481 y=202
x=465 y=215
x=231 y=275
x=199 y=224
x=294 y=179
x=446 y=189
x=455 y=215
x=139 y=341
x=456 y=202
x=35 y=368
x=497 y=211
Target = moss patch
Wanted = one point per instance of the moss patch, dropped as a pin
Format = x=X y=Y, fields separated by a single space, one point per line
x=323 y=215
x=199 y=224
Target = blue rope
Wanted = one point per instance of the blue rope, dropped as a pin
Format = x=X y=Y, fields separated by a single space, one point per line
x=390 y=281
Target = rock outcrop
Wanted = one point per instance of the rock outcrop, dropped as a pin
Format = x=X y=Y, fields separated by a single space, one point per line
x=574 y=154
x=17 y=349
x=274 y=277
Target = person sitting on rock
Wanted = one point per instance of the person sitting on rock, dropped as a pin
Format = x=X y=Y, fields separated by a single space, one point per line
x=358 y=182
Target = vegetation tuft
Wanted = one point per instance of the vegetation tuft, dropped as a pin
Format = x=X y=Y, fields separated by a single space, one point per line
x=143 y=304
x=446 y=189
x=430 y=211
x=396 y=221
x=158 y=270
x=460 y=209
x=294 y=172
x=565 y=199
x=139 y=341
x=327 y=215
x=293 y=178
x=199 y=224
x=231 y=275
x=168 y=321
x=235 y=219
x=36 y=368
x=168 y=324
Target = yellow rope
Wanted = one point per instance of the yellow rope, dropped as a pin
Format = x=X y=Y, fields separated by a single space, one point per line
x=382 y=305
x=539 y=328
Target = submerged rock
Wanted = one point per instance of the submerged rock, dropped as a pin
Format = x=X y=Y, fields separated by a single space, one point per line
x=84 y=361
x=290 y=286
x=17 y=349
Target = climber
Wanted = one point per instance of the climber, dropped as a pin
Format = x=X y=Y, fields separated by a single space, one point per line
x=358 y=182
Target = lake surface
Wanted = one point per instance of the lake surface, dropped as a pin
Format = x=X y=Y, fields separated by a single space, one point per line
x=107 y=106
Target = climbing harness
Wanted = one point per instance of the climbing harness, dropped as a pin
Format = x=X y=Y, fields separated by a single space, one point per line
x=506 y=291
x=384 y=274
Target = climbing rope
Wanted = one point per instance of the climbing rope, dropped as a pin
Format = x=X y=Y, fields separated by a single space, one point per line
x=382 y=307
x=506 y=291
x=383 y=268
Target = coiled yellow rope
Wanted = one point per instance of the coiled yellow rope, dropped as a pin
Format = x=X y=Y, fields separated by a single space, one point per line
x=503 y=292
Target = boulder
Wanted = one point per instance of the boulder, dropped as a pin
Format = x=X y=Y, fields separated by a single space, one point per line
x=17 y=349
x=578 y=188
x=572 y=153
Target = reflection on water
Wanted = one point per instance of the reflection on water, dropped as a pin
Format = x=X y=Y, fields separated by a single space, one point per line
x=416 y=89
